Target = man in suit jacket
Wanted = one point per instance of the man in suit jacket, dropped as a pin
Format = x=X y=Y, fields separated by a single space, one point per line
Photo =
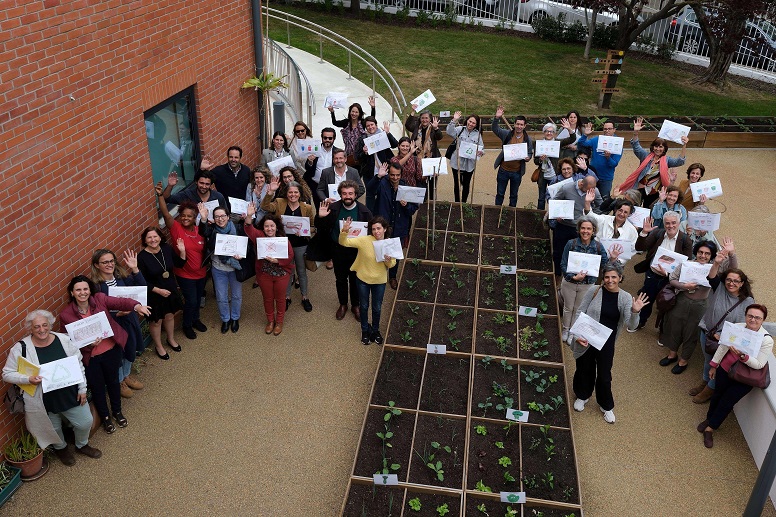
x=651 y=239
x=337 y=174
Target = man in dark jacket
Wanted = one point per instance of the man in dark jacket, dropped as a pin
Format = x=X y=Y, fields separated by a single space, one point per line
x=510 y=172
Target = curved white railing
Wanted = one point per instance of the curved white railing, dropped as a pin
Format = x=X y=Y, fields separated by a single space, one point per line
x=299 y=95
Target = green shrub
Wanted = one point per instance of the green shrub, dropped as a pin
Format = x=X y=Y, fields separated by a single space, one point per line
x=605 y=36
x=575 y=33
x=550 y=29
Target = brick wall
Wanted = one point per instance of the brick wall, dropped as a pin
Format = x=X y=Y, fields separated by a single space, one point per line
x=76 y=174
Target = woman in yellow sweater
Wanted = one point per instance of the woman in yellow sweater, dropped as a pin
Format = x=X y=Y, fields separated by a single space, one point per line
x=372 y=274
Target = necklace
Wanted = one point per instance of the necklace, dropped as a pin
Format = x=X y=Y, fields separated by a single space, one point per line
x=193 y=236
x=163 y=263
x=83 y=311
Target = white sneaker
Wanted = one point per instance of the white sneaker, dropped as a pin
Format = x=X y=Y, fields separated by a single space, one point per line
x=608 y=415
x=659 y=343
x=565 y=336
x=579 y=404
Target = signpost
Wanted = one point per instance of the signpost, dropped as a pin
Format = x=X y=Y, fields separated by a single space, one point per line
x=612 y=70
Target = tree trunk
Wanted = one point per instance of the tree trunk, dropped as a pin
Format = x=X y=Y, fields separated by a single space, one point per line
x=716 y=73
x=590 y=31
x=355 y=7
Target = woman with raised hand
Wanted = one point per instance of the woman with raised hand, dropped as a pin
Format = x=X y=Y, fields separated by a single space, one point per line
x=191 y=277
x=613 y=308
x=353 y=128
x=278 y=150
x=425 y=134
x=571 y=127
x=257 y=189
x=548 y=166
x=301 y=132
x=371 y=274
x=669 y=200
x=292 y=206
x=106 y=273
x=272 y=274
x=228 y=289
x=156 y=261
x=694 y=174
x=103 y=357
x=470 y=132
x=729 y=390
x=411 y=168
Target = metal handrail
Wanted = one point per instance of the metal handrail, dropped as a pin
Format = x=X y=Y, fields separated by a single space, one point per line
x=283 y=65
x=378 y=70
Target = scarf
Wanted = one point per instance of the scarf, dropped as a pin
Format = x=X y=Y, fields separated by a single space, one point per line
x=229 y=229
x=633 y=180
x=423 y=142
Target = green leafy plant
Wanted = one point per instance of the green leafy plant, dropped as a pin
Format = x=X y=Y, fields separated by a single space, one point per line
x=265 y=82
x=548 y=479
x=442 y=510
x=505 y=461
x=405 y=336
x=530 y=376
x=484 y=406
x=499 y=445
x=425 y=293
x=531 y=482
x=452 y=326
x=481 y=429
x=506 y=366
x=415 y=504
x=483 y=509
x=486 y=361
x=454 y=313
x=391 y=411
x=481 y=487
x=411 y=323
x=414 y=309
x=454 y=342
x=22 y=448
x=411 y=283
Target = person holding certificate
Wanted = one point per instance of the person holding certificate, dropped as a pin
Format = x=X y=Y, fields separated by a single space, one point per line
x=257 y=189
x=575 y=280
x=287 y=175
x=102 y=358
x=272 y=274
x=604 y=162
x=43 y=411
x=301 y=132
x=371 y=274
x=291 y=206
x=571 y=126
x=411 y=167
x=694 y=174
x=371 y=163
x=680 y=324
x=278 y=150
x=613 y=308
x=614 y=227
x=106 y=273
x=568 y=170
x=510 y=172
x=653 y=171
x=729 y=391
x=669 y=200
x=224 y=268
x=548 y=165
x=470 y=132
x=353 y=128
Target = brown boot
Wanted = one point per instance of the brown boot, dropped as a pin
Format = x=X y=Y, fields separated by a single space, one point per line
x=697 y=389
x=704 y=396
x=270 y=327
x=133 y=383
x=125 y=391
x=278 y=328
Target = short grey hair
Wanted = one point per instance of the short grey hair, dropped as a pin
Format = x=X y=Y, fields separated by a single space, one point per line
x=672 y=215
x=587 y=219
x=293 y=183
x=613 y=265
x=550 y=125
x=39 y=313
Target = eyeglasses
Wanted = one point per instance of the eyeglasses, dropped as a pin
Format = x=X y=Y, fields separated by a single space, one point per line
x=733 y=281
x=754 y=318
x=327 y=138
x=224 y=216
x=549 y=130
x=107 y=262
x=299 y=130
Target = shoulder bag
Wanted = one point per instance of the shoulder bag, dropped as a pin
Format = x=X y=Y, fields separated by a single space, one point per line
x=711 y=342
x=666 y=299
x=14 y=397
x=745 y=374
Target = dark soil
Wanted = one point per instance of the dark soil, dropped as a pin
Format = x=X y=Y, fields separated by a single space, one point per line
x=398 y=379
x=472 y=216
x=383 y=501
x=543 y=511
x=487 y=381
x=499 y=221
x=484 y=456
x=491 y=507
x=422 y=220
x=446 y=432
x=430 y=502
x=370 y=454
x=455 y=332
x=458 y=285
x=497 y=291
x=561 y=465
x=420 y=249
x=498 y=251
x=418 y=331
x=534 y=254
x=544 y=346
x=533 y=289
x=445 y=385
x=490 y=326
x=462 y=248
x=530 y=224
x=559 y=416
x=418 y=282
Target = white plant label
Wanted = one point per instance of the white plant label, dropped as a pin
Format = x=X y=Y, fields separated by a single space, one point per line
x=512 y=497
x=527 y=311
x=507 y=270
x=385 y=479
x=436 y=349
x=517 y=415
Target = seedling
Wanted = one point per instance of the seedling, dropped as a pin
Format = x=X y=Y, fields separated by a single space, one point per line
x=431 y=275
x=460 y=284
x=415 y=262
x=503 y=344
x=414 y=309
x=488 y=301
x=535 y=442
x=499 y=445
x=437 y=467
x=425 y=293
x=531 y=482
x=510 y=511
x=484 y=406
x=405 y=336
x=486 y=361
x=452 y=326
x=454 y=342
x=556 y=401
x=549 y=450
x=391 y=411
x=499 y=390
x=543 y=306
x=548 y=479
x=509 y=478
x=411 y=323
x=452 y=257
x=553 y=379
x=567 y=493
x=481 y=487
x=411 y=283
x=506 y=366
x=541 y=408
x=481 y=429
x=442 y=510
x=454 y=313
x=530 y=376
x=414 y=504
x=509 y=426
x=483 y=509
x=505 y=461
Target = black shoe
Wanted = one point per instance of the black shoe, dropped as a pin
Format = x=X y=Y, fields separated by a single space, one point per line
x=199 y=326
x=235 y=325
x=308 y=307
x=365 y=338
x=65 y=456
x=225 y=326
x=679 y=368
x=178 y=348
x=165 y=357
x=288 y=303
x=668 y=360
x=189 y=333
x=120 y=419
x=377 y=338
x=108 y=425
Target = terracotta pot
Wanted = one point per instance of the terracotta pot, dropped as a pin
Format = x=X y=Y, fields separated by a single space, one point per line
x=29 y=467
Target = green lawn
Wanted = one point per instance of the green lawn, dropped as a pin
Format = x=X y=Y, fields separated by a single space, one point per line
x=475 y=71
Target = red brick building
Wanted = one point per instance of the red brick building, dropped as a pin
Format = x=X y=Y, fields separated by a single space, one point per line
x=98 y=98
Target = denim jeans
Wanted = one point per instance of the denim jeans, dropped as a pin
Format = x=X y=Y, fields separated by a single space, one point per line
x=229 y=304
x=502 y=178
x=80 y=417
x=192 y=291
x=711 y=383
x=377 y=291
x=124 y=370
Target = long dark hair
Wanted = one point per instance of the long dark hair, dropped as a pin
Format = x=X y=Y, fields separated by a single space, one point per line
x=285 y=140
x=279 y=232
x=477 y=118
x=78 y=279
x=745 y=290
x=149 y=229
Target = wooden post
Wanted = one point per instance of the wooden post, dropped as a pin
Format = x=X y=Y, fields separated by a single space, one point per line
x=433 y=208
x=612 y=68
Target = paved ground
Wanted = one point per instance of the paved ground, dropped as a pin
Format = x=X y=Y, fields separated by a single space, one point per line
x=250 y=424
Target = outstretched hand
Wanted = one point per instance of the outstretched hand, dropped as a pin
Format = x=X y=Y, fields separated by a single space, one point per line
x=323 y=209
x=638 y=124
x=500 y=111
x=587 y=129
x=639 y=302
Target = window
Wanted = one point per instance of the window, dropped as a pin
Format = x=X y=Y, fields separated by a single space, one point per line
x=171 y=131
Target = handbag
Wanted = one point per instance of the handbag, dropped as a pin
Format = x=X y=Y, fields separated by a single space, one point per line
x=745 y=374
x=666 y=299
x=712 y=343
x=535 y=176
x=14 y=397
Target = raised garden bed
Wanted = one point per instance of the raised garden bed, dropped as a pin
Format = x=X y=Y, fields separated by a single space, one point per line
x=444 y=424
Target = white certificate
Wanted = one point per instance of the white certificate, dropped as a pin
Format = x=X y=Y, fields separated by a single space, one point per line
x=336 y=100
x=61 y=373
x=515 y=152
x=712 y=188
x=411 y=194
x=613 y=144
x=357 y=228
x=295 y=225
x=673 y=132
x=275 y=165
x=628 y=247
x=555 y=187
x=139 y=293
x=390 y=247
x=432 y=165
x=377 y=142
x=87 y=330
x=422 y=101
x=587 y=262
x=588 y=328
x=550 y=148
x=275 y=247
x=231 y=245
x=746 y=341
x=308 y=146
x=561 y=209
x=469 y=150
x=639 y=214
x=210 y=205
x=239 y=206
x=695 y=273
x=668 y=260
x=703 y=221
x=173 y=152
x=333 y=194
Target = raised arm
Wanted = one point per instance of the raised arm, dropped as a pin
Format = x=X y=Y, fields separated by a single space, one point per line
x=168 y=219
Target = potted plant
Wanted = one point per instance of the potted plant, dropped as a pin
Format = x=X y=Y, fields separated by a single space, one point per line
x=263 y=83
x=24 y=453
x=10 y=480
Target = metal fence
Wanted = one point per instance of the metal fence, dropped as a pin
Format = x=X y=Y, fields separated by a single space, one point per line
x=298 y=96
